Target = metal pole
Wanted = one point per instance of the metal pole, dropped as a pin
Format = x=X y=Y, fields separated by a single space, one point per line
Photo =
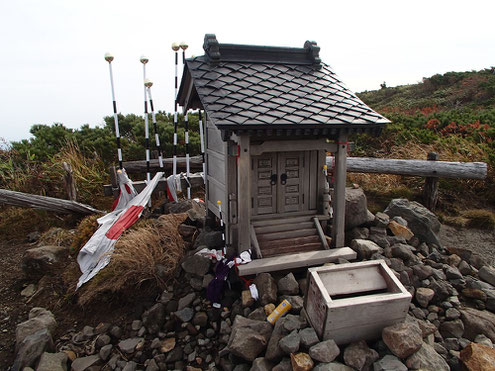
x=109 y=59
x=184 y=46
x=175 y=48
x=145 y=60
x=148 y=83
x=201 y=139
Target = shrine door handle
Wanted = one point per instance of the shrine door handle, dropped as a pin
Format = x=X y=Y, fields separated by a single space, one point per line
x=283 y=179
x=273 y=179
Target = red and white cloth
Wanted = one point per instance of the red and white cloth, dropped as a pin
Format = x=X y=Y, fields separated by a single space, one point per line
x=97 y=252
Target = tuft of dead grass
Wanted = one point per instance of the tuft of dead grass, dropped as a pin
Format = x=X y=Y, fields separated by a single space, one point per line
x=86 y=228
x=145 y=258
x=481 y=219
x=57 y=236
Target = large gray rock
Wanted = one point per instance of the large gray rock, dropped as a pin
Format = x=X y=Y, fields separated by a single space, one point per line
x=426 y=358
x=308 y=337
x=52 y=362
x=389 y=363
x=421 y=221
x=284 y=365
x=267 y=288
x=478 y=322
x=288 y=285
x=359 y=356
x=365 y=248
x=326 y=351
x=487 y=274
x=452 y=329
x=43 y=260
x=403 y=339
x=290 y=343
x=31 y=348
x=273 y=350
x=249 y=338
x=154 y=318
x=196 y=264
x=356 y=208
x=39 y=318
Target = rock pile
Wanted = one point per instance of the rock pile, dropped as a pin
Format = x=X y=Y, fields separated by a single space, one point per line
x=451 y=320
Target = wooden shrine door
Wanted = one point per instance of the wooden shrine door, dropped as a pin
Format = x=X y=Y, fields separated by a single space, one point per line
x=278 y=182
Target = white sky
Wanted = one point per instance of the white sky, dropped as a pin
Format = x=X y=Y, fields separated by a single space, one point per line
x=51 y=52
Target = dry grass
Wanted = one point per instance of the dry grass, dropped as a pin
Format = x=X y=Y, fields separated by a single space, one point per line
x=86 y=228
x=133 y=268
x=481 y=219
x=57 y=236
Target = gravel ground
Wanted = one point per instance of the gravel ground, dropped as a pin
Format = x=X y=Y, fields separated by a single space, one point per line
x=476 y=240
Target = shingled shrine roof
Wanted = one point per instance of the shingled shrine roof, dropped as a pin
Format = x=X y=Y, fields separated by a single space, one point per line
x=250 y=87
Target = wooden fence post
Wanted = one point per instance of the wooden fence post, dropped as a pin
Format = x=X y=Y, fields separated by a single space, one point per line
x=431 y=186
x=69 y=182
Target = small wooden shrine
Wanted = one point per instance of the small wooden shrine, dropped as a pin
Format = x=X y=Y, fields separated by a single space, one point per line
x=272 y=114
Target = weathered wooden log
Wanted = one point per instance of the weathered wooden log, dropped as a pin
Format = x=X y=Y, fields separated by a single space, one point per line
x=423 y=168
x=195 y=179
x=69 y=182
x=196 y=164
x=45 y=203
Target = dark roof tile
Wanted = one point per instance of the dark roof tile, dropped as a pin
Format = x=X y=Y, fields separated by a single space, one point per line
x=235 y=93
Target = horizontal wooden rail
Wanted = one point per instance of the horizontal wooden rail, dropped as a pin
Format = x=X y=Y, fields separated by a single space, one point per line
x=195 y=179
x=131 y=167
x=42 y=202
x=422 y=168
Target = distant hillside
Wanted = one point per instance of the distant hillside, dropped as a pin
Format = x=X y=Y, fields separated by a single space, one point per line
x=471 y=89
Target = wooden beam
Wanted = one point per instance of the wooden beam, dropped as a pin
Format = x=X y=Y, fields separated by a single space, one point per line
x=430 y=192
x=254 y=241
x=195 y=179
x=45 y=203
x=292 y=145
x=244 y=194
x=338 y=227
x=196 y=164
x=440 y=169
x=321 y=234
x=298 y=260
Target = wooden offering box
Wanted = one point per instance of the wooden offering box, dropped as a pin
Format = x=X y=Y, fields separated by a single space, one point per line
x=355 y=301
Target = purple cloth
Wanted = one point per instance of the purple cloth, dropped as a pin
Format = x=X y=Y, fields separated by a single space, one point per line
x=217 y=285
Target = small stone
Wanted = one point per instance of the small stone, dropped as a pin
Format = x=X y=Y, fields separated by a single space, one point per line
x=39 y=319
x=267 y=288
x=453 y=328
x=424 y=295
x=136 y=325
x=301 y=362
x=359 y=356
x=154 y=318
x=326 y=351
x=389 y=363
x=452 y=313
x=365 y=248
x=426 y=358
x=102 y=340
x=452 y=273
x=290 y=343
x=403 y=339
x=196 y=264
x=400 y=230
x=258 y=314
x=381 y=220
x=28 y=291
x=105 y=352
x=474 y=294
x=246 y=298
x=185 y=315
x=284 y=365
x=261 y=364
x=52 y=362
x=186 y=301
x=403 y=252
x=249 y=338
x=116 y=332
x=478 y=322
x=167 y=345
x=288 y=285
x=482 y=339
x=296 y=302
x=83 y=363
x=269 y=308
x=308 y=337
x=32 y=347
x=487 y=274
x=129 y=345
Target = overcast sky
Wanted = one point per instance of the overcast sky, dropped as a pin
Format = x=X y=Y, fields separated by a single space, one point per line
x=51 y=55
